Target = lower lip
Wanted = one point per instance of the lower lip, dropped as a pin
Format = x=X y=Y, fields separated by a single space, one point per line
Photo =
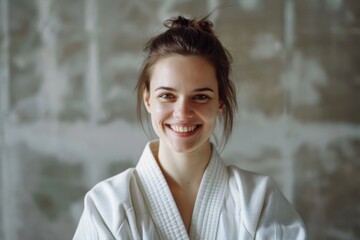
x=185 y=134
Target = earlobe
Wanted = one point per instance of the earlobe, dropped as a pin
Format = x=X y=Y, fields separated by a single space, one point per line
x=146 y=98
x=221 y=108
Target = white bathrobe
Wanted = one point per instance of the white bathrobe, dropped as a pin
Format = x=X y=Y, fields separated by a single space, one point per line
x=231 y=204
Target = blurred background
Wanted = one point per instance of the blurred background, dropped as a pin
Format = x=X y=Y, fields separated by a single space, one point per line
x=67 y=105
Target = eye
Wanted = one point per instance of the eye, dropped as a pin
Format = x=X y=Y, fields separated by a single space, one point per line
x=166 y=96
x=201 y=98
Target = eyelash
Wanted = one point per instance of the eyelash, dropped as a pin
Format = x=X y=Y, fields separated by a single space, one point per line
x=170 y=96
x=166 y=96
x=201 y=97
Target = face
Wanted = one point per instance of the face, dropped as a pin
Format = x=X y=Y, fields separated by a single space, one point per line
x=183 y=102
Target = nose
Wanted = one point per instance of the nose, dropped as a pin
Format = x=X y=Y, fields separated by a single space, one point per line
x=183 y=110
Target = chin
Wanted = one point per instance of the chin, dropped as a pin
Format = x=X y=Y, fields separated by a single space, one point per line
x=185 y=147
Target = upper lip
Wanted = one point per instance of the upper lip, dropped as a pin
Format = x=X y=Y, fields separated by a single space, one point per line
x=183 y=124
x=183 y=128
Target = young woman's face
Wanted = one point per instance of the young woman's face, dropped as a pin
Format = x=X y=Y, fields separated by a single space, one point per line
x=183 y=102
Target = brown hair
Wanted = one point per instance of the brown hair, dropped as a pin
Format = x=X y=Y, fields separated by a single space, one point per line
x=191 y=37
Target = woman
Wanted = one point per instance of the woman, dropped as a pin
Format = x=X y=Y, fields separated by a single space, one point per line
x=181 y=189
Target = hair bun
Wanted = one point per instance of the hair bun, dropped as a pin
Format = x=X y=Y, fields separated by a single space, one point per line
x=198 y=24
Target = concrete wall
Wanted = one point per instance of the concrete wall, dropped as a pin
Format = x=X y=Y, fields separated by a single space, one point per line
x=67 y=105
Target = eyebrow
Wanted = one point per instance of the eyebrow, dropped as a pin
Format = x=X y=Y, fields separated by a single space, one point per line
x=195 y=90
x=203 y=89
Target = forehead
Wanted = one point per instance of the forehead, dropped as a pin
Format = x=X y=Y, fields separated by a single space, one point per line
x=183 y=70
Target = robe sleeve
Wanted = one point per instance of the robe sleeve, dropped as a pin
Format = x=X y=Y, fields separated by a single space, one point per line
x=92 y=225
x=279 y=220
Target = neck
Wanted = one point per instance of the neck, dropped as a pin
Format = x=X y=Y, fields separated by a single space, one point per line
x=183 y=170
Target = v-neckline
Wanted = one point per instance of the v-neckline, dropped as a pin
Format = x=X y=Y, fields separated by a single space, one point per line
x=162 y=205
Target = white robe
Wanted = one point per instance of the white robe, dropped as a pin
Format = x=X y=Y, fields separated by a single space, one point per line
x=231 y=204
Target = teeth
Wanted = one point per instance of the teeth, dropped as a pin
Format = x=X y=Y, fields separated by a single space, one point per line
x=182 y=129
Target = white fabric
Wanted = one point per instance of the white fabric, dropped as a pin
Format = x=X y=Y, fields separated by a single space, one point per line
x=231 y=204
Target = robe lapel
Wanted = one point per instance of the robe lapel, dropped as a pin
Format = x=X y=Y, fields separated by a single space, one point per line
x=161 y=203
x=206 y=213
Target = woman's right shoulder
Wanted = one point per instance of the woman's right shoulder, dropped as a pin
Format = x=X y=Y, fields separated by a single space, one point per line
x=112 y=195
x=115 y=190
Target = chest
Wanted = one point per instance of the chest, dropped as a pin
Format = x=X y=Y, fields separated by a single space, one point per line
x=185 y=216
x=185 y=202
x=229 y=226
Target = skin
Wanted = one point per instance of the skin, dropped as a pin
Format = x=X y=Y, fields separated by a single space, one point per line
x=184 y=104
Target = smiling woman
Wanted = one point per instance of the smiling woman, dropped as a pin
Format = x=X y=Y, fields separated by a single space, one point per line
x=181 y=188
x=182 y=98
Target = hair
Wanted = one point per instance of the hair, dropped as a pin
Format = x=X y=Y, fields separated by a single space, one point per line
x=191 y=37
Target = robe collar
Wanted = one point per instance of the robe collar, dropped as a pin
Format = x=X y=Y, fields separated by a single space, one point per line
x=162 y=205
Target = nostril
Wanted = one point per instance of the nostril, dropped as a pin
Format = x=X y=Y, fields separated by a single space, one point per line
x=183 y=110
x=183 y=114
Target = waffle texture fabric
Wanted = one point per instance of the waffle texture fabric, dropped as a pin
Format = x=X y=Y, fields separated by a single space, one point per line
x=231 y=204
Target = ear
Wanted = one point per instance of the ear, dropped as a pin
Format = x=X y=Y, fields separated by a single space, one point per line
x=221 y=107
x=146 y=98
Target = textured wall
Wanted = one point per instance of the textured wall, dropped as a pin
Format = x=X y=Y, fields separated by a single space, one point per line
x=67 y=105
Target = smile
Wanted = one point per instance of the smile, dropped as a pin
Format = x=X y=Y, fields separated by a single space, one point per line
x=183 y=129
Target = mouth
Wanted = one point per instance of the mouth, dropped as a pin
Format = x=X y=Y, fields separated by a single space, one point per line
x=184 y=130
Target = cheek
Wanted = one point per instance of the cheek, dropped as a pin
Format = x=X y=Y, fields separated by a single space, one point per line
x=159 y=111
x=209 y=113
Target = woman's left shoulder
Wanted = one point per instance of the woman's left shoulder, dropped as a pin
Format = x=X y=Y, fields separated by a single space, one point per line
x=250 y=180
x=265 y=211
x=255 y=189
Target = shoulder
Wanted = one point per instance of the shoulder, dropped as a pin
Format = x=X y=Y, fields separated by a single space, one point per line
x=112 y=193
x=250 y=181
x=255 y=190
x=265 y=210
x=112 y=183
x=109 y=196
x=252 y=190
